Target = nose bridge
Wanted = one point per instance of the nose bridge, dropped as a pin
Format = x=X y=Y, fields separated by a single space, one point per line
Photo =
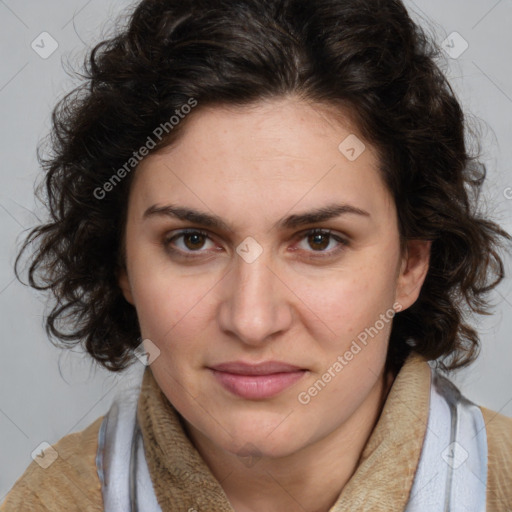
x=255 y=307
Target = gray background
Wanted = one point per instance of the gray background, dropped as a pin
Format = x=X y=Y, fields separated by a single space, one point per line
x=46 y=393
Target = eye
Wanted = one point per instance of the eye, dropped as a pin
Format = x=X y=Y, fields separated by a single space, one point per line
x=191 y=241
x=320 y=239
x=187 y=242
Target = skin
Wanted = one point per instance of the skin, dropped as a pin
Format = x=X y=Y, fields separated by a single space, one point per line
x=252 y=167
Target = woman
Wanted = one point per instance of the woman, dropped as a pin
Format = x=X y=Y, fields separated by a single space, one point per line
x=270 y=204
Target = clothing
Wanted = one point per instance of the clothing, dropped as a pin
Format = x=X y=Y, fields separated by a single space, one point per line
x=182 y=481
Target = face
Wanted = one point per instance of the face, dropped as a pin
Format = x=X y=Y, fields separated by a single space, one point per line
x=224 y=266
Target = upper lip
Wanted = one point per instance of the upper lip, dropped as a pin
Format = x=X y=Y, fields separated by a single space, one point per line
x=264 y=368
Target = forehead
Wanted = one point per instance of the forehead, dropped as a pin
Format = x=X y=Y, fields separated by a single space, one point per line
x=264 y=158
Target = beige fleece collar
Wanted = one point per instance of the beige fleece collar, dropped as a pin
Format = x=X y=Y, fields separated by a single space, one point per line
x=381 y=482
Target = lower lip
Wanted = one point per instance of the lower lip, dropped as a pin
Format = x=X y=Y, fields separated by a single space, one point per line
x=257 y=387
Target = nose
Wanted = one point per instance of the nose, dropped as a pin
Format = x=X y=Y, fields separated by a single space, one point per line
x=256 y=305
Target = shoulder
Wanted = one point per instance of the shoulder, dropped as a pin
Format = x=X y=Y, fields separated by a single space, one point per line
x=499 y=466
x=69 y=483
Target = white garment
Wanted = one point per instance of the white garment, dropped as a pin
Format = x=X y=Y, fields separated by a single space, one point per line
x=452 y=472
x=120 y=461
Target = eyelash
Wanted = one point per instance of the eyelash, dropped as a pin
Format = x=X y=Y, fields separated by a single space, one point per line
x=312 y=232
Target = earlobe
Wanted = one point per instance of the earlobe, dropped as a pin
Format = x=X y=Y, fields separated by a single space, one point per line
x=413 y=272
x=124 y=284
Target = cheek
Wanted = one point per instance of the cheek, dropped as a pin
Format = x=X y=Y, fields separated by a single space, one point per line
x=157 y=303
x=351 y=299
x=174 y=311
x=162 y=297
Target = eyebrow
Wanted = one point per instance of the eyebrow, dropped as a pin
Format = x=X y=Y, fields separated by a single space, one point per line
x=290 y=222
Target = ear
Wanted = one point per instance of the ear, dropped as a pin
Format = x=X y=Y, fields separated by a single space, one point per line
x=413 y=270
x=124 y=284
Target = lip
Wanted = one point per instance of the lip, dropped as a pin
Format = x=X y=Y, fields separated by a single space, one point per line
x=257 y=381
x=263 y=368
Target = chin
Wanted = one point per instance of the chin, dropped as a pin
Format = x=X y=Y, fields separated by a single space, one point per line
x=258 y=447
x=263 y=439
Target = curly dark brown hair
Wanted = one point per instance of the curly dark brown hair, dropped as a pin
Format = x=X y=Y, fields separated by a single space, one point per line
x=364 y=55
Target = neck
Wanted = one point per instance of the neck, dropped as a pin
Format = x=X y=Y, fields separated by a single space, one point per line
x=310 y=479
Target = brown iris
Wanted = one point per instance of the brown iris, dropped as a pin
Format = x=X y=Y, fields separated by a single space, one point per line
x=316 y=238
x=196 y=239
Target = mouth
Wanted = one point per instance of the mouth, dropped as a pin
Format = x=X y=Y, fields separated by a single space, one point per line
x=257 y=381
